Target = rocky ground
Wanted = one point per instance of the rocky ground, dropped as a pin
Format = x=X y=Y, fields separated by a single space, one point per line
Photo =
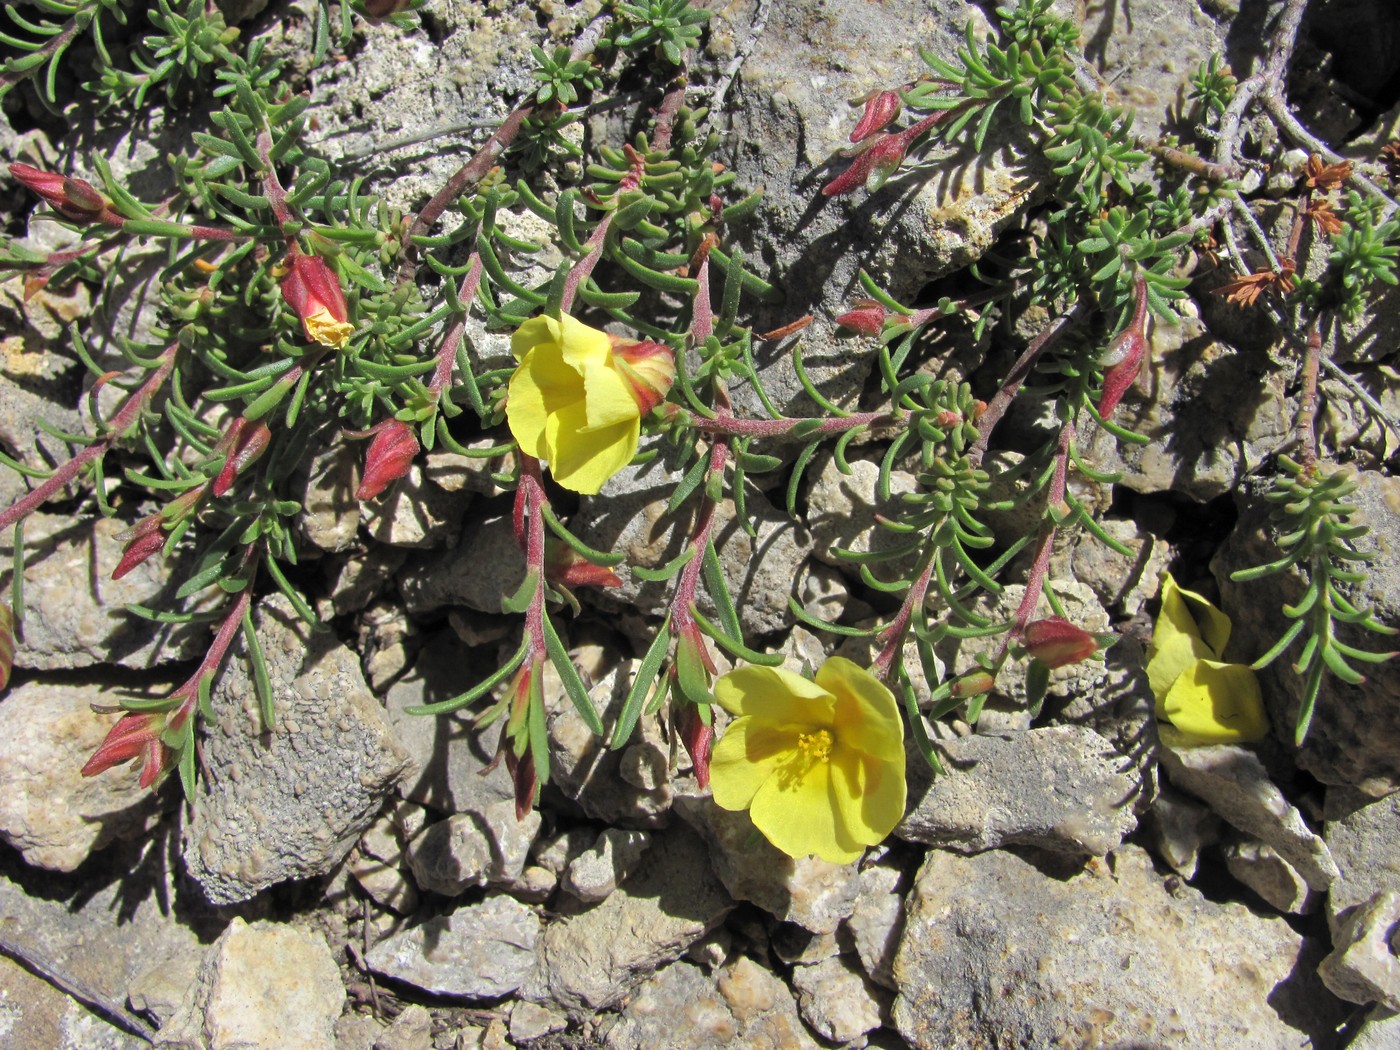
x=358 y=878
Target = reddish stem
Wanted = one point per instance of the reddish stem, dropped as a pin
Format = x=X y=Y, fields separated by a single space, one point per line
x=891 y=639
x=1045 y=545
x=452 y=338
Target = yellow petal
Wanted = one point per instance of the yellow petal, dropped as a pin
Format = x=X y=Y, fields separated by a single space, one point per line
x=608 y=396
x=1216 y=703
x=527 y=413
x=1194 y=613
x=582 y=346
x=323 y=328
x=744 y=757
x=583 y=459
x=869 y=794
x=795 y=811
x=775 y=697
x=537 y=331
x=1170 y=661
x=866 y=717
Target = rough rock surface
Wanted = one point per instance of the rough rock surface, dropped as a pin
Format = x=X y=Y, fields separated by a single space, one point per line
x=1062 y=788
x=995 y=953
x=836 y=1000
x=1363 y=967
x=1364 y=838
x=263 y=985
x=290 y=806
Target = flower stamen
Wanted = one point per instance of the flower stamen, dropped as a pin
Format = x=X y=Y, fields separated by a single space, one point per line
x=816 y=746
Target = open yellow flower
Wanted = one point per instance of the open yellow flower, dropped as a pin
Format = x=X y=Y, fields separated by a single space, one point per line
x=1208 y=700
x=819 y=764
x=578 y=397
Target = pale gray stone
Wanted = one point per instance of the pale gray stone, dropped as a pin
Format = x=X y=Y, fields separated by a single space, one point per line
x=49 y=811
x=598 y=870
x=411 y=1030
x=742 y=1007
x=841 y=511
x=1180 y=827
x=472 y=849
x=477 y=952
x=36 y=1015
x=412 y=512
x=809 y=891
x=292 y=804
x=1260 y=868
x=595 y=959
x=529 y=1021
x=877 y=923
x=995 y=953
x=484 y=567
x=1363 y=967
x=265 y=986
x=1364 y=837
x=1234 y=783
x=330 y=518
x=1125 y=582
x=837 y=1000
x=1063 y=788
x=1380 y=1031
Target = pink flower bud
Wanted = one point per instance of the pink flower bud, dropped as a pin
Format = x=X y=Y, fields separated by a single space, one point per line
x=246 y=442
x=72 y=198
x=698 y=736
x=390 y=454
x=566 y=566
x=1125 y=355
x=133 y=735
x=650 y=369
x=1058 y=643
x=880 y=109
x=868 y=318
x=142 y=545
x=313 y=292
x=524 y=777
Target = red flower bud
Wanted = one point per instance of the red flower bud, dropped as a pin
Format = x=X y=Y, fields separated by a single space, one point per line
x=868 y=318
x=566 y=566
x=881 y=156
x=880 y=109
x=140 y=547
x=133 y=735
x=523 y=775
x=1058 y=643
x=246 y=443
x=314 y=293
x=1125 y=355
x=974 y=684
x=390 y=454
x=72 y=198
x=650 y=368
x=698 y=736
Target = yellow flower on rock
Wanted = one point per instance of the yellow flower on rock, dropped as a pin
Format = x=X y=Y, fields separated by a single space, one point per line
x=578 y=397
x=1209 y=701
x=819 y=764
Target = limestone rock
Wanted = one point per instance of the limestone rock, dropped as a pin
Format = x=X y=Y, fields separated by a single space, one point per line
x=472 y=849
x=1260 y=868
x=1364 y=838
x=1363 y=967
x=995 y=953
x=35 y=1015
x=49 y=811
x=1234 y=783
x=290 y=806
x=264 y=986
x=596 y=872
x=1180 y=827
x=877 y=923
x=1063 y=788
x=413 y=512
x=483 y=568
x=837 y=1000
x=595 y=959
x=477 y=952
x=841 y=511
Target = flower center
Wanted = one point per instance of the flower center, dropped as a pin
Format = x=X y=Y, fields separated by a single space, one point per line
x=815 y=746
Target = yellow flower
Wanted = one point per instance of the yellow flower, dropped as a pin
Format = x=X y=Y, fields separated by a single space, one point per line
x=1207 y=700
x=819 y=765
x=577 y=399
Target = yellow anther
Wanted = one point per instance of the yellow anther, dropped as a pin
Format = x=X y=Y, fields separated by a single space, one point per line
x=815 y=745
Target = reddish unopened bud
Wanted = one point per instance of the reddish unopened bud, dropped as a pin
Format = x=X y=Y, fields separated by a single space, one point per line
x=134 y=735
x=566 y=566
x=948 y=418
x=974 y=684
x=881 y=156
x=72 y=198
x=1058 y=643
x=698 y=736
x=523 y=776
x=880 y=109
x=868 y=318
x=650 y=369
x=312 y=290
x=142 y=545
x=1125 y=355
x=246 y=443
x=391 y=453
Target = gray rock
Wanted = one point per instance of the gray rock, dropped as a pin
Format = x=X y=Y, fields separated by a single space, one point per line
x=1380 y=1031
x=49 y=811
x=1364 y=838
x=996 y=954
x=596 y=872
x=411 y=1030
x=485 y=567
x=1180 y=827
x=1063 y=788
x=478 y=952
x=36 y=1015
x=472 y=849
x=378 y=864
x=1363 y=967
x=1119 y=582
x=841 y=511
x=352 y=583
x=413 y=512
x=815 y=894
x=529 y=1021
x=1234 y=783
x=1354 y=738
x=75 y=613
x=1261 y=869
x=330 y=518
x=837 y=1000
x=594 y=960
x=290 y=805
x=266 y=986
x=741 y=1007
x=629 y=517
x=877 y=923
x=20 y=410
